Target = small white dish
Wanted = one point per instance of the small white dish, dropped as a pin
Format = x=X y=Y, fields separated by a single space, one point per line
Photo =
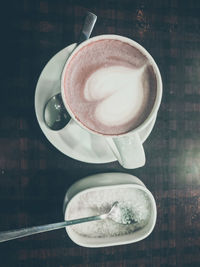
x=108 y=181
x=72 y=140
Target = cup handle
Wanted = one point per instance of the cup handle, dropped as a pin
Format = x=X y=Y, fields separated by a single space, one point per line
x=128 y=150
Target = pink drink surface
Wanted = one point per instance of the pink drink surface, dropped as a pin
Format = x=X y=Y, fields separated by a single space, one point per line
x=110 y=87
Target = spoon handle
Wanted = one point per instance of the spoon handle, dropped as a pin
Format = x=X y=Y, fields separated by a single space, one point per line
x=13 y=234
x=87 y=28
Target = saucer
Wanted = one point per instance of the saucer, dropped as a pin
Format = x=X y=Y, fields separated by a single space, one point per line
x=72 y=140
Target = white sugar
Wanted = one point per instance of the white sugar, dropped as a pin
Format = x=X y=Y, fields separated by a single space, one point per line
x=100 y=201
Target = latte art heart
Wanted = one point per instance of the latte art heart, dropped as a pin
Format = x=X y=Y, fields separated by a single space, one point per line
x=110 y=86
x=118 y=91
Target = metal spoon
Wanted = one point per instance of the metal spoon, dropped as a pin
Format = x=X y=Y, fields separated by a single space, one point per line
x=55 y=115
x=117 y=213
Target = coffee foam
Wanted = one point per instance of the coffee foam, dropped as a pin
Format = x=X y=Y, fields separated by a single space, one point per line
x=107 y=86
x=118 y=91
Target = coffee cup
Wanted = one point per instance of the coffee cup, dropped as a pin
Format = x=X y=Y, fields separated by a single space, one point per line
x=112 y=87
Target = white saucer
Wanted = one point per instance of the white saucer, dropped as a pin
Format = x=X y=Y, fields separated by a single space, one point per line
x=72 y=140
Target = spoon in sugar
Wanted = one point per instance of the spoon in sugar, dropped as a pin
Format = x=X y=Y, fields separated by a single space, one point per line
x=55 y=114
x=118 y=213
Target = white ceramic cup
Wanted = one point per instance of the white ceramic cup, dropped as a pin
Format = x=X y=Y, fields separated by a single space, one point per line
x=127 y=148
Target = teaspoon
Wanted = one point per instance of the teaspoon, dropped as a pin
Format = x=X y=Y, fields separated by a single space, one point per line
x=55 y=114
x=118 y=213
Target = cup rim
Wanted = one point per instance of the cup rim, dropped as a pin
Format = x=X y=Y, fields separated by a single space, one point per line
x=144 y=52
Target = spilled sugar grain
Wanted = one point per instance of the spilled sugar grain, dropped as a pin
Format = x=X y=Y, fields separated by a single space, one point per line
x=99 y=202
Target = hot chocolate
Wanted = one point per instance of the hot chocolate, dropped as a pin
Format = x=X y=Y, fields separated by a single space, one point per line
x=110 y=86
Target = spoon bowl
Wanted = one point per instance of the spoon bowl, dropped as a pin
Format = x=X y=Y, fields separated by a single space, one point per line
x=120 y=213
x=55 y=114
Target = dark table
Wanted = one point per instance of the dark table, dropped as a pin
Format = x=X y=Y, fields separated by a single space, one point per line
x=34 y=175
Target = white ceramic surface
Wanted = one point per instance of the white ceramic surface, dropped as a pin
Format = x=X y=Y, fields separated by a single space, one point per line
x=126 y=147
x=72 y=140
x=109 y=180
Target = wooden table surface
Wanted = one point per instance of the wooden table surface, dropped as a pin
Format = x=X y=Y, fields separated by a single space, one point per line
x=34 y=175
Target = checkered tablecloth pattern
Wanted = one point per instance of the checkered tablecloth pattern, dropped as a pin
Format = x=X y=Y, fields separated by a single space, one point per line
x=34 y=176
